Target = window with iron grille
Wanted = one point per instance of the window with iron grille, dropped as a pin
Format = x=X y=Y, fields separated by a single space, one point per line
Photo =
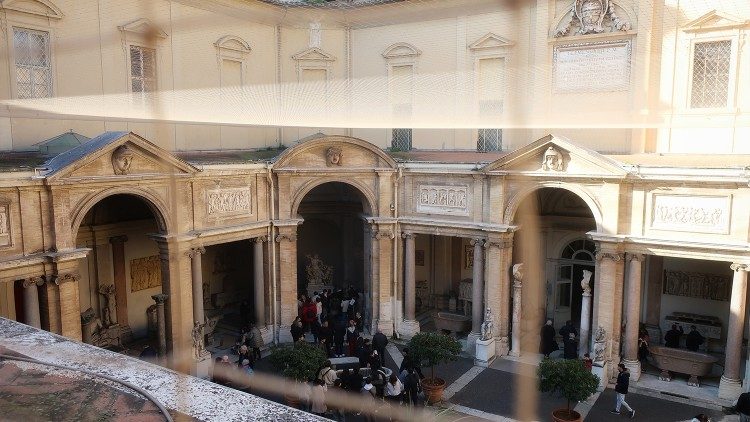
x=490 y=139
x=401 y=139
x=142 y=69
x=710 y=84
x=33 y=65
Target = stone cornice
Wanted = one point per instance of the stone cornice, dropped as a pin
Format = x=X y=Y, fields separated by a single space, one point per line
x=738 y=267
x=289 y=237
x=417 y=222
x=292 y=222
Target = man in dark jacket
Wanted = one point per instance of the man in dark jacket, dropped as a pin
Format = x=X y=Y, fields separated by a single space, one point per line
x=411 y=386
x=339 y=333
x=621 y=388
x=742 y=406
x=408 y=363
x=672 y=338
x=694 y=339
x=549 y=344
x=567 y=329
x=379 y=341
x=297 y=331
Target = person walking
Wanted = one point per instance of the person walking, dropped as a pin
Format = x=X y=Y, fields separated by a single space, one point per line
x=256 y=341
x=742 y=406
x=318 y=398
x=621 y=389
x=549 y=344
x=379 y=341
x=412 y=386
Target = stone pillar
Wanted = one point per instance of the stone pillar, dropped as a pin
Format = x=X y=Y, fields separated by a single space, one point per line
x=31 y=301
x=178 y=309
x=384 y=239
x=69 y=306
x=730 y=385
x=287 y=241
x=259 y=282
x=477 y=292
x=633 y=316
x=118 y=271
x=409 y=326
x=161 y=332
x=607 y=260
x=583 y=345
x=516 y=328
x=497 y=271
x=653 y=286
x=197 y=276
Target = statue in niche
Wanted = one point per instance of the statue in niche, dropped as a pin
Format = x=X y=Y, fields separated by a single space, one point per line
x=487 y=325
x=585 y=282
x=317 y=271
x=315 y=35
x=109 y=310
x=553 y=160
x=122 y=158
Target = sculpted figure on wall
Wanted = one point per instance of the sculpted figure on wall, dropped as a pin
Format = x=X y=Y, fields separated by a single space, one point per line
x=333 y=156
x=198 y=340
x=553 y=160
x=122 y=158
x=592 y=17
x=108 y=312
x=600 y=345
x=3 y=220
x=317 y=271
x=697 y=285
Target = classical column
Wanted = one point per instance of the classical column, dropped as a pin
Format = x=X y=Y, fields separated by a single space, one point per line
x=384 y=240
x=410 y=326
x=605 y=304
x=259 y=282
x=118 y=271
x=497 y=271
x=197 y=275
x=730 y=385
x=31 y=301
x=583 y=346
x=633 y=316
x=477 y=287
x=69 y=306
x=160 y=299
x=515 y=342
x=287 y=282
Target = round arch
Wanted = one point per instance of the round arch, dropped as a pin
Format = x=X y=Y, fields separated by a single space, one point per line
x=369 y=203
x=288 y=154
x=154 y=203
x=585 y=195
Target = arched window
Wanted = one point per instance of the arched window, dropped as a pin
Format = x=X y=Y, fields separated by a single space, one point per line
x=579 y=250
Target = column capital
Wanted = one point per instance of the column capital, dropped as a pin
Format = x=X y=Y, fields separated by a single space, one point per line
x=33 y=281
x=738 y=267
x=384 y=233
x=160 y=298
x=64 y=278
x=259 y=239
x=289 y=237
x=477 y=241
x=195 y=252
x=614 y=256
x=635 y=257
x=408 y=235
x=118 y=239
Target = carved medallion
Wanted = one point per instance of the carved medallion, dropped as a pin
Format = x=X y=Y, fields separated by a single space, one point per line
x=122 y=158
x=592 y=17
x=552 y=160
x=333 y=156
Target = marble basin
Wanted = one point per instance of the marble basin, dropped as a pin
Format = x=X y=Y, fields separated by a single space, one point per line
x=695 y=364
x=454 y=323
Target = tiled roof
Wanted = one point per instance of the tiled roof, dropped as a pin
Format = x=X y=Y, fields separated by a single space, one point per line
x=68 y=157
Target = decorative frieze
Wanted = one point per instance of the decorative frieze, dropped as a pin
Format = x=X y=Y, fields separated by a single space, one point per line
x=592 y=67
x=698 y=285
x=696 y=214
x=446 y=200
x=229 y=201
x=145 y=273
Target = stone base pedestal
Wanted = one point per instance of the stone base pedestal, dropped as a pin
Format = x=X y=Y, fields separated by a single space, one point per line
x=485 y=352
x=266 y=333
x=285 y=336
x=634 y=366
x=203 y=366
x=386 y=326
x=471 y=342
x=729 y=389
x=501 y=346
x=408 y=329
x=601 y=372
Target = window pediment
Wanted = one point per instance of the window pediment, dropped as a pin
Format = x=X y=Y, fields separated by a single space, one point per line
x=715 y=20
x=143 y=27
x=43 y=8
x=233 y=43
x=401 y=50
x=490 y=42
x=314 y=54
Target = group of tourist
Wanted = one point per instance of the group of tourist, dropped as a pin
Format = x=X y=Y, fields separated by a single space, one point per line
x=247 y=349
x=334 y=320
x=569 y=335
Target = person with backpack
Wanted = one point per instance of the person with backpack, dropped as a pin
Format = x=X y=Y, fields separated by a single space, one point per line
x=327 y=374
x=621 y=388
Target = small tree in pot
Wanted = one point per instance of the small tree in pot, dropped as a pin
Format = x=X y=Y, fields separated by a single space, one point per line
x=571 y=379
x=299 y=363
x=433 y=349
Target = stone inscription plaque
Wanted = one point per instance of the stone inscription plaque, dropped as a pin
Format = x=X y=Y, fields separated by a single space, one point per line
x=592 y=67
x=697 y=214
x=447 y=200
x=229 y=201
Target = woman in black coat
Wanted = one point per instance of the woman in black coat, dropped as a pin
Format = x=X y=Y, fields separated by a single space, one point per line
x=549 y=344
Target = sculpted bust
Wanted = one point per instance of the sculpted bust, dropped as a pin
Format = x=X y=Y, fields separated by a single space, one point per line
x=333 y=156
x=122 y=158
x=553 y=160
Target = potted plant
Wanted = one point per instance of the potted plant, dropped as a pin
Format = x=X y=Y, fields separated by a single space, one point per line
x=571 y=379
x=432 y=349
x=298 y=363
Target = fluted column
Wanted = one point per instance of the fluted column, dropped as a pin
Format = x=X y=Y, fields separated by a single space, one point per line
x=633 y=316
x=477 y=287
x=730 y=385
x=160 y=299
x=197 y=276
x=515 y=342
x=583 y=345
x=259 y=282
x=31 y=301
x=410 y=289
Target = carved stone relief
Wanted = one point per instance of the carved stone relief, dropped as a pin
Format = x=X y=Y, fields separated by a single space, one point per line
x=122 y=158
x=229 y=201
x=592 y=17
x=145 y=273
x=447 y=200
x=4 y=225
x=552 y=160
x=698 y=285
x=333 y=157
x=697 y=214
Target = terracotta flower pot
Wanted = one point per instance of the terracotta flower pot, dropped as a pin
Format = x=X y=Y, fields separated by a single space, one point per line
x=433 y=389
x=562 y=415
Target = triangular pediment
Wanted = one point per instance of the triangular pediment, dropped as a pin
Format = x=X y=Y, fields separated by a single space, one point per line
x=143 y=26
x=557 y=156
x=115 y=155
x=34 y=7
x=715 y=20
x=490 y=41
x=314 y=53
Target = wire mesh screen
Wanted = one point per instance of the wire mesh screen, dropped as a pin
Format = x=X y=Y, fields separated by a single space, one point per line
x=142 y=69
x=489 y=140
x=33 y=72
x=401 y=139
x=711 y=74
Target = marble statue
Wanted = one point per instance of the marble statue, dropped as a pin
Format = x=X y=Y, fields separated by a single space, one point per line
x=487 y=325
x=333 y=156
x=600 y=345
x=585 y=282
x=553 y=160
x=317 y=271
x=198 y=340
x=108 y=312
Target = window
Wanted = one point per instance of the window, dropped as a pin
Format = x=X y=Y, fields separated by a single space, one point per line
x=33 y=65
x=401 y=91
x=489 y=140
x=490 y=94
x=710 y=84
x=563 y=295
x=401 y=139
x=142 y=69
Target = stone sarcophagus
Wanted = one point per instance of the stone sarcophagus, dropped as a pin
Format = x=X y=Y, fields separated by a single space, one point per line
x=694 y=364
